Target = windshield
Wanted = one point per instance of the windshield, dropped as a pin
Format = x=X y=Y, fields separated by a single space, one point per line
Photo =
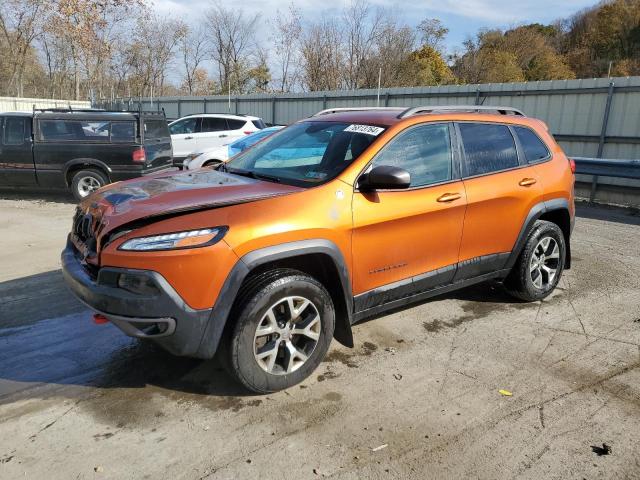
x=307 y=153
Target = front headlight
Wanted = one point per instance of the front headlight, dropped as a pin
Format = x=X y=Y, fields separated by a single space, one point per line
x=175 y=241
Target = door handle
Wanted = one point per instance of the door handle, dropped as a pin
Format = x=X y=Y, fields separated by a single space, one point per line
x=449 y=197
x=188 y=138
x=527 y=182
x=222 y=136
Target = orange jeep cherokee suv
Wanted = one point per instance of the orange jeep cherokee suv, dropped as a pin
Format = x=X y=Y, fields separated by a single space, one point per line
x=338 y=217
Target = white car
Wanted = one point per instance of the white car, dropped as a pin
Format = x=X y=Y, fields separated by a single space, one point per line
x=209 y=130
x=213 y=156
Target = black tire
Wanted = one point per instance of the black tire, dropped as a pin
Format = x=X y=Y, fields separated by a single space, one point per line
x=529 y=280
x=255 y=299
x=82 y=179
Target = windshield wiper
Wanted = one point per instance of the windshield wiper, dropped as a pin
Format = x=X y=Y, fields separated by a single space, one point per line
x=252 y=174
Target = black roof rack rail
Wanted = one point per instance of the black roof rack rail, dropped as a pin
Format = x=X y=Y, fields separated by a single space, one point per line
x=69 y=110
x=461 y=108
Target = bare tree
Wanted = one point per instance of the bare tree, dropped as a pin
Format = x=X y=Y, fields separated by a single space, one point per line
x=322 y=58
x=193 y=52
x=363 y=27
x=232 y=44
x=286 y=39
x=151 y=53
x=20 y=24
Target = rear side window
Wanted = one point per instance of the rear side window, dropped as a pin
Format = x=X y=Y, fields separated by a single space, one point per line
x=534 y=149
x=259 y=123
x=235 y=124
x=155 y=129
x=13 y=131
x=488 y=148
x=123 y=132
x=214 y=124
x=74 y=130
x=424 y=151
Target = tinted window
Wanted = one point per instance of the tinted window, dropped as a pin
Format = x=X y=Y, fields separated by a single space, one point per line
x=14 y=131
x=78 y=130
x=488 y=148
x=214 y=124
x=235 y=124
x=154 y=129
x=188 y=125
x=123 y=132
x=423 y=151
x=258 y=123
x=533 y=147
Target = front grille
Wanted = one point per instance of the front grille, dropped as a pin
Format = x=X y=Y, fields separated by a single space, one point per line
x=84 y=228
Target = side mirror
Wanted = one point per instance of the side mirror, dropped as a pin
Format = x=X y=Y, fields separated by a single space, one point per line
x=385 y=177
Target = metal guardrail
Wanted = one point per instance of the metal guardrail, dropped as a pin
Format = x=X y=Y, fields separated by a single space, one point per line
x=604 y=167
x=608 y=167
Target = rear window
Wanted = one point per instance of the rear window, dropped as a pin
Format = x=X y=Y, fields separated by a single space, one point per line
x=155 y=129
x=488 y=148
x=14 y=131
x=534 y=149
x=235 y=124
x=259 y=123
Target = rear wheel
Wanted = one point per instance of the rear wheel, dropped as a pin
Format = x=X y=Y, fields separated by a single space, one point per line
x=85 y=182
x=540 y=265
x=284 y=325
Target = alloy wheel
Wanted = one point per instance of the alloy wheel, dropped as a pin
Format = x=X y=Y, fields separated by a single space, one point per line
x=287 y=335
x=544 y=263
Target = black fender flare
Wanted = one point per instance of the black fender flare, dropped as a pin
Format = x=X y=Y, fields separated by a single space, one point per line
x=88 y=162
x=537 y=211
x=250 y=261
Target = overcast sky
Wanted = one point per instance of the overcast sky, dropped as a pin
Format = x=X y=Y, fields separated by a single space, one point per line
x=462 y=17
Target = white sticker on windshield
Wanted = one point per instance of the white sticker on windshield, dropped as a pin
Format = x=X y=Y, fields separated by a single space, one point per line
x=366 y=129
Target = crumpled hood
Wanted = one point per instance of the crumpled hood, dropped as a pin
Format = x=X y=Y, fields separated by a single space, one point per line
x=171 y=192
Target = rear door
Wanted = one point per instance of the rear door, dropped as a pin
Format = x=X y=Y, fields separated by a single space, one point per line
x=16 y=155
x=183 y=136
x=501 y=189
x=240 y=128
x=215 y=133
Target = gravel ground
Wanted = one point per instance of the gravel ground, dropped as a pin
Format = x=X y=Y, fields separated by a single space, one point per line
x=417 y=398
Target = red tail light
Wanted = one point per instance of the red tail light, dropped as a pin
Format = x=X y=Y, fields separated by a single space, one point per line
x=247 y=132
x=572 y=164
x=139 y=155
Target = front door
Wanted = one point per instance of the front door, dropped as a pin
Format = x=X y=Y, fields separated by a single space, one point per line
x=407 y=241
x=183 y=136
x=16 y=156
x=501 y=189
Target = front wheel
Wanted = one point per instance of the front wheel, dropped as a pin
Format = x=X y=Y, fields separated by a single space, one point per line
x=284 y=325
x=540 y=264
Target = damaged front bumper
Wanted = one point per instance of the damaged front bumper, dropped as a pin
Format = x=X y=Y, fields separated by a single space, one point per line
x=157 y=313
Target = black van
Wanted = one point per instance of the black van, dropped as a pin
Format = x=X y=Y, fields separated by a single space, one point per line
x=81 y=149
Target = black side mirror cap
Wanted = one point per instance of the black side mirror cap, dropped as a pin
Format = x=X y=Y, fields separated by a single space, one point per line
x=385 y=177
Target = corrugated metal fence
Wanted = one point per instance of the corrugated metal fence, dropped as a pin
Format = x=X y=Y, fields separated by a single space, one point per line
x=590 y=117
x=14 y=104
